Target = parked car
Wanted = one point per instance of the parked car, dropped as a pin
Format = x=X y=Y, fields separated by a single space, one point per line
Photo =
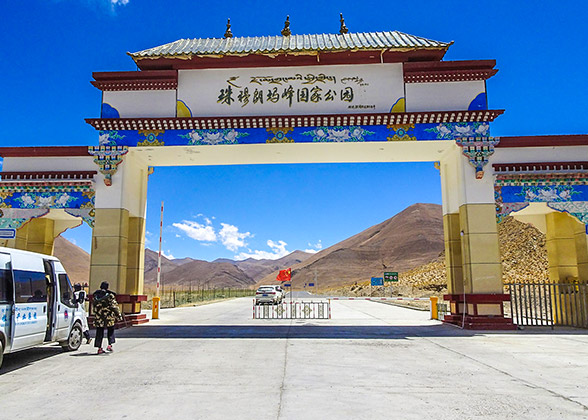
x=269 y=294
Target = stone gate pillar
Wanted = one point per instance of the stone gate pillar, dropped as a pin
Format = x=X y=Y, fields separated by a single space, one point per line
x=118 y=236
x=474 y=270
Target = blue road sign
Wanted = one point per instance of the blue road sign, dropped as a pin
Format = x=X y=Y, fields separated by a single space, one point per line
x=287 y=285
x=310 y=284
x=7 y=233
x=377 y=281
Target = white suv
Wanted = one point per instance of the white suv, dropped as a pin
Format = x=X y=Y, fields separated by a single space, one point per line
x=269 y=294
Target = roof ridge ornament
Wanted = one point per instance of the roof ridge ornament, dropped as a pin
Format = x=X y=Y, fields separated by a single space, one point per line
x=343 y=30
x=228 y=33
x=286 y=31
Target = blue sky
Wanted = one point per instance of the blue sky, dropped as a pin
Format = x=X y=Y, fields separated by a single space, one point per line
x=51 y=47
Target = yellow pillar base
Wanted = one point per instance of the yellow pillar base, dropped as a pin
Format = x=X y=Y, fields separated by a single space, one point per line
x=40 y=236
x=482 y=267
x=109 y=249
x=453 y=256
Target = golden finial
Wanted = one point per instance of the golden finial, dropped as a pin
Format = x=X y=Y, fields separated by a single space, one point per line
x=286 y=31
x=228 y=33
x=343 y=29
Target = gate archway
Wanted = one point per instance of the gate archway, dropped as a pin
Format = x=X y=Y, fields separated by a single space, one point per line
x=370 y=97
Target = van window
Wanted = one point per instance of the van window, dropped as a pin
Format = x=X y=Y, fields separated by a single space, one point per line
x=29 y=286
x=65 y=290
x=5 y=279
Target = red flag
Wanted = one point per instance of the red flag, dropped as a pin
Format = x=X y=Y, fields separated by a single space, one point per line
x=284 y=275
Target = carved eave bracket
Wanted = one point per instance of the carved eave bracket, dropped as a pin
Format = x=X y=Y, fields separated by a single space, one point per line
x=478 y=150
x=108 y=158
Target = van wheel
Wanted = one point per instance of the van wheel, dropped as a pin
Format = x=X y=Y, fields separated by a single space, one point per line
x=74 y=340
x=1 y=353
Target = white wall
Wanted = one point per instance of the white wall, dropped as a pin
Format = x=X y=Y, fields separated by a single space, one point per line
x=142 y=103
x=442 y=96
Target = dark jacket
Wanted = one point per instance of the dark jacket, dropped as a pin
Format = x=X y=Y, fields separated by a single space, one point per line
x=106 y=309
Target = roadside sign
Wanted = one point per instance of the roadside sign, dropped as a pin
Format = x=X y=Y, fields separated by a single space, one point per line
x=391 y=276
x=7 y=233
x=310 y=284
x=287 y=285
x=377 y=281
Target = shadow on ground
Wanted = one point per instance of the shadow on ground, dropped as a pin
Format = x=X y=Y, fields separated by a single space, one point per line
x=314 y=331
x=27 y=357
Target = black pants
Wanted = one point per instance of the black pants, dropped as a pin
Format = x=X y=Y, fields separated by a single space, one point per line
x=100 y=336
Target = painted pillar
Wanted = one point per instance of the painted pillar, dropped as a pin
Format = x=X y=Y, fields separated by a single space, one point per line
x=40 y=235
x=451 y=226
x=20 y=241
x=561 y=247
x=582 y=251
x=479 y=302
x=135 y=261
x=567 y=254
x=108 y=260
x=118 y=237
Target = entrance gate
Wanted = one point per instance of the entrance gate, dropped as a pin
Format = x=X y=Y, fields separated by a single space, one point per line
x=298 y=309
x=369 y=97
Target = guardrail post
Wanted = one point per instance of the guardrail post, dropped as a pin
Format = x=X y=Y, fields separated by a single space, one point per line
x=434 y=313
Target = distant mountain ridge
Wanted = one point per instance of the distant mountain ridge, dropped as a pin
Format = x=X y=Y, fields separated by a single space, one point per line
x=411 y=238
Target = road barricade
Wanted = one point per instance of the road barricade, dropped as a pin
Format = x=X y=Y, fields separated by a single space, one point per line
x=293 y=310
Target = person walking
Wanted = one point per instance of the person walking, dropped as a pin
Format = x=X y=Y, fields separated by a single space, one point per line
x=106 y=314
x=79 y=300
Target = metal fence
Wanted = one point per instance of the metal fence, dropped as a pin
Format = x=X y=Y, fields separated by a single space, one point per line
x=549 y=304
x=293 y=310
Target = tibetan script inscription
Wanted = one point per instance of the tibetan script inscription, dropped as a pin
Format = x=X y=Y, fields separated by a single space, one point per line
x=286 y=93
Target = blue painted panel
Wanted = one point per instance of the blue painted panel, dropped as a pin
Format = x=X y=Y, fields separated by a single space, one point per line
x=544 y=194
x=47 y=200
x=109 y=111
x=479 y=103
x=336 y=134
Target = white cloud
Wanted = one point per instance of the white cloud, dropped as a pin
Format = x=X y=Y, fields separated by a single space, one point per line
x=197 y=231
x=169 y=255
x=278 y=250
x=231 y=238
x=314 y=248
x=119 y=2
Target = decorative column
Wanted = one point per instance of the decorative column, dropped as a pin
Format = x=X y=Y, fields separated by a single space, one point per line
x=119 y=228
x=451 y=227
x=108 y=260
x=562 y=249
x=40 y=235
x=567 y=255
x=135 y=263
x=479 y=302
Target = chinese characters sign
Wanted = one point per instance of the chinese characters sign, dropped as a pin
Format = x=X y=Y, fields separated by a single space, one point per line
x=290 y=91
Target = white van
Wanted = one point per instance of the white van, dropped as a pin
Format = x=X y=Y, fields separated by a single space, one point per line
x=36 y=303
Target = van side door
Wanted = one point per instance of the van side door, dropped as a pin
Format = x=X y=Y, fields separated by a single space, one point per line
x=65 y=305
x=30 y=301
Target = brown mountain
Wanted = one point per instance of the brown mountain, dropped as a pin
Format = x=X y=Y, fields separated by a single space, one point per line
x=258 y=269
x=206 y=274
x=411 y=238
x=75 y=260
x=167 y=265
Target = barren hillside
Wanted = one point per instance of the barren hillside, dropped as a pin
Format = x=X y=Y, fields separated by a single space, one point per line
x=411 y=238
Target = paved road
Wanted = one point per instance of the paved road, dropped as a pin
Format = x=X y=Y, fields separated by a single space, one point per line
x=371 y=361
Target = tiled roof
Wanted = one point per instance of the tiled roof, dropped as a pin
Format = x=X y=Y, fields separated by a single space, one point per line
x=290 y=44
